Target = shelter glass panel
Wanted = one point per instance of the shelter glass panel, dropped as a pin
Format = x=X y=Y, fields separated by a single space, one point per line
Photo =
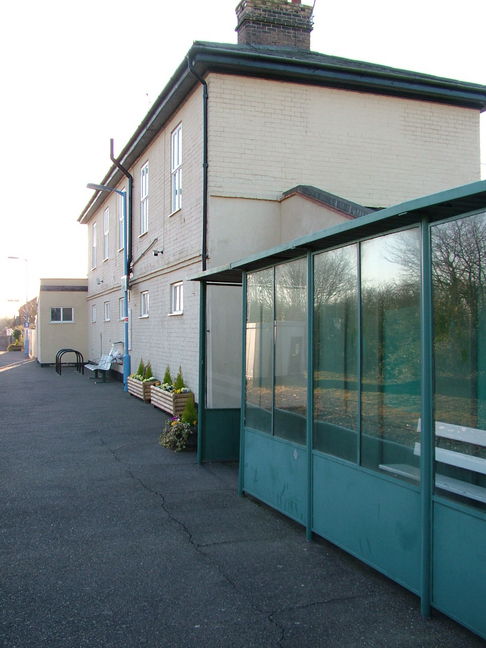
x=223 y=386
x=459 y=307
x=259 y=350
x=336 y=378
x=291 y=351
x=390 y=315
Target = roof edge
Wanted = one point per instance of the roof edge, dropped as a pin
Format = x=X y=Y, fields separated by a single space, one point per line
x=294 y=65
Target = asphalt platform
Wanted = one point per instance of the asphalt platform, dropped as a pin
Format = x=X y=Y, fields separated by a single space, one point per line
x=109 y=540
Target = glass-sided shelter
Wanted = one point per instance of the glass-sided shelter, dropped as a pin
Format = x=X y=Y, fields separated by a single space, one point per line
x=363 y=399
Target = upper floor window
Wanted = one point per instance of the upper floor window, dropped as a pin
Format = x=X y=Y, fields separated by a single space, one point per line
x=62 y=314
x=106 y=311
x=106 y=233
x=144 y=205
x=176 y=168
x=121 y=308
x=176 y=298
x=144 y=303
x=93 y=245
x=119 y=207
x=93 y=313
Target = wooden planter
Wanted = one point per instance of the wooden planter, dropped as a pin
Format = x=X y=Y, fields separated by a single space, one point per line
x=140 y=389
x=168 y=401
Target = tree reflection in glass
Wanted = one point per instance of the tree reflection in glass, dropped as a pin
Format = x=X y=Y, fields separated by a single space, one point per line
x=335 y=352
x=390 y=400
x=459 y=302
x=291 y=350
x=259 y=350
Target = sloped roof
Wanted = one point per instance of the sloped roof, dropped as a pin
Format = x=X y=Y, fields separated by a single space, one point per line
x=285 y=64
x=435 y=207
x=347 y=207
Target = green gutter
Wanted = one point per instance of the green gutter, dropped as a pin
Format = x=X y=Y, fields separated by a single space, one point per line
x=311 y=72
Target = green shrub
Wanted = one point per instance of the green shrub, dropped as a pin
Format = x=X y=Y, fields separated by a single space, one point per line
x=189 y=413
x=141 y=368
x=179 y=381
x=148 y=374
x=167 y=380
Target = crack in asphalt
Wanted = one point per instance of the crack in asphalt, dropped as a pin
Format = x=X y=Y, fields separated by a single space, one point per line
x=199 y=547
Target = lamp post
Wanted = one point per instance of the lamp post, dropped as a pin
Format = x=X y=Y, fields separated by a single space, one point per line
x=126 y=355
x=26 y=314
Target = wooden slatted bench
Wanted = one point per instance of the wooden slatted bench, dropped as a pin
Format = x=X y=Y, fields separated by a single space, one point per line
x=104 y=365
x=451 y=458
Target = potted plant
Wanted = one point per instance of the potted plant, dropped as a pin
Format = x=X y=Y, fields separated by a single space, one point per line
x=139 y=383
x=17 y=343
x=171 y=396
x=180 y=432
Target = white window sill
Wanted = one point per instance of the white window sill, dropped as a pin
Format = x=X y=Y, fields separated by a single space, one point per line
x=175 y=212
x=143 y=317
x=143 y=234
x=178 y=314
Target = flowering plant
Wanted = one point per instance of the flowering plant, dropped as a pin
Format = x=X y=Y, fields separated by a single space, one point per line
x=176 y=387
x=143 y=373
x=176 y=434
x=180 y=430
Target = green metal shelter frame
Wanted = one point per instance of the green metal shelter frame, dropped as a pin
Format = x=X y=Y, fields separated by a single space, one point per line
x=363 y=490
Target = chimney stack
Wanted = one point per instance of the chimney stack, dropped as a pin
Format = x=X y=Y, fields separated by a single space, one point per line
x=274 y=22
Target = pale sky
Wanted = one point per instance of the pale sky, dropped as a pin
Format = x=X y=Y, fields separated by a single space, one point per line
x=75 y=74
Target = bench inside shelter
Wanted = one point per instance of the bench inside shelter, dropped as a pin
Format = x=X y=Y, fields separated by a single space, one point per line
x=446 y=458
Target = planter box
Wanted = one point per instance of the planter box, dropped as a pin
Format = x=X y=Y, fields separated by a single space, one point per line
x=169 y=402
x=140 y=389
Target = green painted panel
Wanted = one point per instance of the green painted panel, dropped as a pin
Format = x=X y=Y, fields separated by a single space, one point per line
x=221 y=440
x=375 y=519
x=459 y=563
x=275 y=472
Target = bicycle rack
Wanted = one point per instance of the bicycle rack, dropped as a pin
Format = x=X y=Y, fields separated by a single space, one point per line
x=78 y=364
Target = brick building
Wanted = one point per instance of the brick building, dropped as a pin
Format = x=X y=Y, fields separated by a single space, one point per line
x=249 y=146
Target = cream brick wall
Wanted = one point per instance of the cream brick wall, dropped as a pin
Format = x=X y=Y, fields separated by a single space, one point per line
x=268 y=136
x=53 y=336
x=160 y=338
x=239 y=227
x=264 y=138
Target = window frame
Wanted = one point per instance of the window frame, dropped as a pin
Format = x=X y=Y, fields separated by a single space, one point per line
x=106 y=233
x=106 y=311
x=62 y=320
x=176 y=169
x=144 y=304
x=93 y=313
x=144 y=199
x=94 y=245
x=119 y=207
x=121 y=308
x=177 y=298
